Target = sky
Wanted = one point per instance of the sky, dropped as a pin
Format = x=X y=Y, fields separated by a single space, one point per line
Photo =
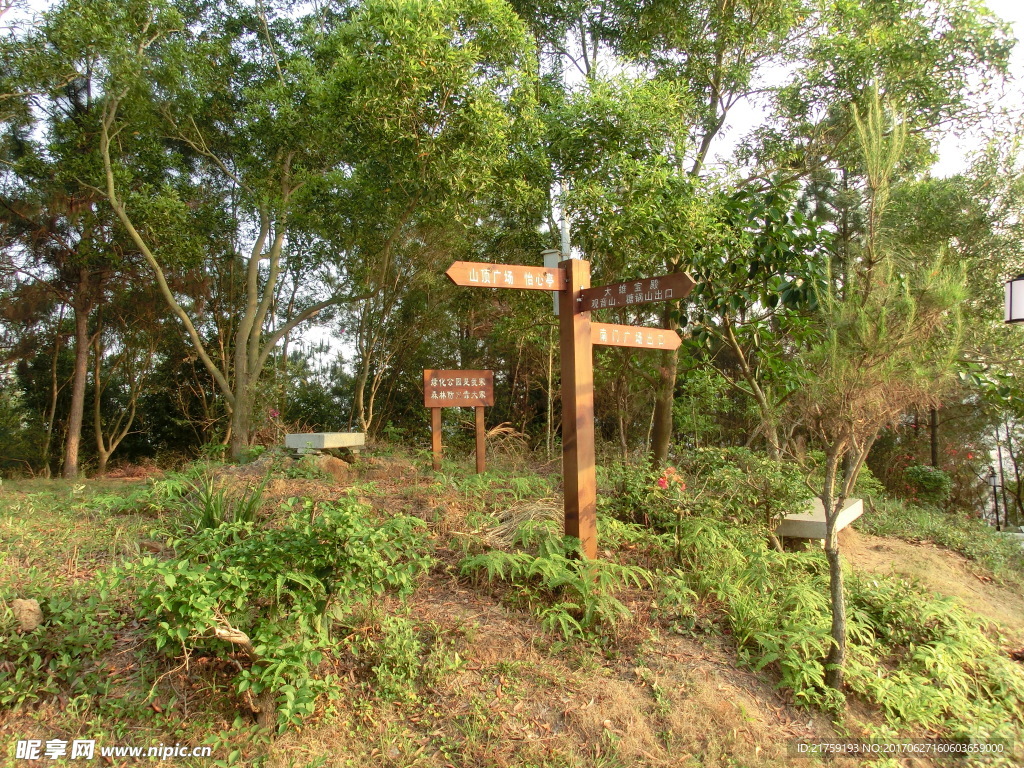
x=953 y=151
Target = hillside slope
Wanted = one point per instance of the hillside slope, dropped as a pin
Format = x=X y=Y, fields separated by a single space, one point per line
x=487 y=682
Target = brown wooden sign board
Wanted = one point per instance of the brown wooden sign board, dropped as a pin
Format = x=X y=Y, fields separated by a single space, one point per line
x=479 y=275
x=451 y=389
x=665 y=288
x=633 y=336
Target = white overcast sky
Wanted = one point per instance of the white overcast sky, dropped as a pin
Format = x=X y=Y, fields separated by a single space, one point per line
x=953 y=150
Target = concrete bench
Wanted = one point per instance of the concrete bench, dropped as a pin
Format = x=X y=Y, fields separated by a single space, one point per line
x=310 y=442
x=811 y=523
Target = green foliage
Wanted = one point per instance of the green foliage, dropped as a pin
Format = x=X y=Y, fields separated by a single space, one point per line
x=928 y=484
x=281 y=588
x=207 y=503
x=733 y=483
x=926 y=662
x=776 y=603
x=698 y=410
x=61 y=657
x=20 y=435
x=922 y=659
x=399 y=659
x=305 y=469
x=573 y=597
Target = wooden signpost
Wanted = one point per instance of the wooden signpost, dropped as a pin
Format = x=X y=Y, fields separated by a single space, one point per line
x=450 y=389
x=577 y=336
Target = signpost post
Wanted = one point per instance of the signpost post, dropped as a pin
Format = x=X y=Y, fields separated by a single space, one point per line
x=449 y=389
x=577 y=337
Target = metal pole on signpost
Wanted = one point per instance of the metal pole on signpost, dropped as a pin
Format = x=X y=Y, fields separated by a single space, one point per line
x=578 y=460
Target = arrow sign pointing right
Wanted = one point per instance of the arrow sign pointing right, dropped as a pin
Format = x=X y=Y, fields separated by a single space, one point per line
x=643 y=291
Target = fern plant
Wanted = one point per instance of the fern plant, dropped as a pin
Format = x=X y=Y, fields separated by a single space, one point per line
x=573 y=597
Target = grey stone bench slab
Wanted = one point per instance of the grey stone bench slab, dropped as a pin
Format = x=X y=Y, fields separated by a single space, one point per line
x=307 y=442
x=811 y=524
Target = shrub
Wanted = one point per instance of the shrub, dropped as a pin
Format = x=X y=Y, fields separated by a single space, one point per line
x=920 y=658
x=732 y=484
x=928 y=484
x=274 y=594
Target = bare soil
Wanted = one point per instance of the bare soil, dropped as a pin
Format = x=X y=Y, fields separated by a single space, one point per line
x=938 y=570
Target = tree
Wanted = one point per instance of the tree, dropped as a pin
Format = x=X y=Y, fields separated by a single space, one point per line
x=225 y=131
x=887 y=339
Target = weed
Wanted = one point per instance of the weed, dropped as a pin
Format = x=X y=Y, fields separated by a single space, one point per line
x=62 y=656
x=305 y=469
x=270 y=592
x=208 y=505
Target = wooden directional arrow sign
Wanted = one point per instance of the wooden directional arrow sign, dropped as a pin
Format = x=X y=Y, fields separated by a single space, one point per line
x=481 y=275
x=577 y=337
x=633 y=336
x=644 y=291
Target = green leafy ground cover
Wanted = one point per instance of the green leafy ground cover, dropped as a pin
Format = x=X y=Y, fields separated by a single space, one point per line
x=407 y=618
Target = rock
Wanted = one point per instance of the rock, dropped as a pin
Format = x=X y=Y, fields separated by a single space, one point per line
x=336 y=468
x=28 y=613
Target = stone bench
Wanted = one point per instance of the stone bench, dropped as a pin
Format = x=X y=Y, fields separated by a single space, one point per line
x=310 y=442
x=811 y=523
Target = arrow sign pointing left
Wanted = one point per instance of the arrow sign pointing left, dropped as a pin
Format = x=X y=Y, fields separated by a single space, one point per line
x=480 y=275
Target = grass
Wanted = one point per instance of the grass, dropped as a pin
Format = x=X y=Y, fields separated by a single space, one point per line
x=956 y=531
x=475 y=675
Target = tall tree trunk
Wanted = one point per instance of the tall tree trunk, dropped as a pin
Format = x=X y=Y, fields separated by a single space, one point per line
x=1019 y=504
x=240 y=413
x=360 y=396
x=55 y=389
x=661 y=431
x=1002 y=476
x=81 y=305
x=836 y=657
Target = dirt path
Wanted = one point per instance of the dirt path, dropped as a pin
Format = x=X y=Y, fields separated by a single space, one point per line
x=939 y=570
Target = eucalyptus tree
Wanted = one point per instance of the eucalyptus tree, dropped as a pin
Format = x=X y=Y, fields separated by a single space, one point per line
x=224 y=128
